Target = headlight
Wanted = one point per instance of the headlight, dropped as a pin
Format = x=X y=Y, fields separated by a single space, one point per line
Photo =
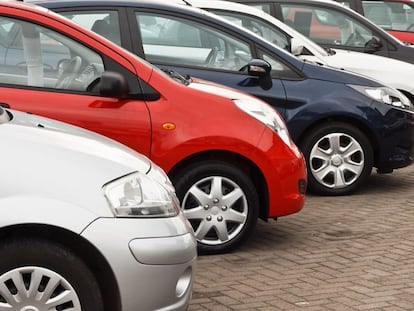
x=265 y=114
x=385 y=95
x=137 y=195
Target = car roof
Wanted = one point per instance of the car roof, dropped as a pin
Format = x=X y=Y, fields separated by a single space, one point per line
x=174 y=7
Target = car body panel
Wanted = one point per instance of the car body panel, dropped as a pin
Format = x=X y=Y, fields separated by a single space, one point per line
x=120 y=243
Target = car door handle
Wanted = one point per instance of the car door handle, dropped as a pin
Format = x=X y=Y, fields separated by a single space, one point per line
x=4 y=105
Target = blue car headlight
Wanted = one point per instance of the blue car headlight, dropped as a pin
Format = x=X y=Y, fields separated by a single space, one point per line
x=385 y=95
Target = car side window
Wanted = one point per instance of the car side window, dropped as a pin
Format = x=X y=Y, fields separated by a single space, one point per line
x=390 y=15
x=258 y=26
x=326 y=26
x=103 y=22
x=176 y=41
x=39 y=57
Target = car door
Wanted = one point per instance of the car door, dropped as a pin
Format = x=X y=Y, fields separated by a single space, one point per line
x=49 y=73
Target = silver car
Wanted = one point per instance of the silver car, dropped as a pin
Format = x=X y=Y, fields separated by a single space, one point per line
x=87 y=223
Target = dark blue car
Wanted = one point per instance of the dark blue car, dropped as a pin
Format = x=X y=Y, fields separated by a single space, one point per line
x=345 y=124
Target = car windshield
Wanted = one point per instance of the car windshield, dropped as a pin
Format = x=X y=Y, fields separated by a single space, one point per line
x=269 y=30
x=390 y=15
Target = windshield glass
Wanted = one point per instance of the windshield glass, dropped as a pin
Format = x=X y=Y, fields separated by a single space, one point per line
x=270 y=29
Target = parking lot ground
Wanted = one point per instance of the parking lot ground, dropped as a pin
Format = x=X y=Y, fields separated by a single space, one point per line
x=339 y=253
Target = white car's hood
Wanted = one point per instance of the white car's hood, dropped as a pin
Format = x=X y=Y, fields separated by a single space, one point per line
x=392 y=72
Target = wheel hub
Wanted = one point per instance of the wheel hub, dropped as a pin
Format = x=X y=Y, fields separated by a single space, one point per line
x=215 y=210
x=29 y=308
x=336 y=160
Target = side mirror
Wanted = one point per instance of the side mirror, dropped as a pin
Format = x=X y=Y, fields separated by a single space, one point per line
x=113 y=84
x=258 y=67
x=261 y=68
x=296 y=48
x=374 y=44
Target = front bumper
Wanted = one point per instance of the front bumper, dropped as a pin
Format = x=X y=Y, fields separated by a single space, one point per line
x=153 y=260
x=285 y=174
x=396 y=144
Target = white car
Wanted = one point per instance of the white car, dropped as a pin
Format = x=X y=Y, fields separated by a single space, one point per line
x=392 y=72
x=87 y=224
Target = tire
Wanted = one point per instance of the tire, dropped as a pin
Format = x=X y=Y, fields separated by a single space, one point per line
x=221 y=204
x=339 y=158
x=35 y=273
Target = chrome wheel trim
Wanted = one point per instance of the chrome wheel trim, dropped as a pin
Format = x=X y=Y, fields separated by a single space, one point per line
x=34 y=289
x=336 y=160
x=217 y=208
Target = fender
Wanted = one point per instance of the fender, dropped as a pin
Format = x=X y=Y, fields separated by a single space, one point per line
x=41 y=210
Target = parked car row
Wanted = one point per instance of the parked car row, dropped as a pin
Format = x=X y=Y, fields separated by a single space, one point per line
x=95 y=218
x=344 y=123
x=92 y=219
x=217 y=153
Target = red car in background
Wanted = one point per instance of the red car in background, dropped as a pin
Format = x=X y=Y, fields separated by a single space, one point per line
x=394 y=16
x=228 y=154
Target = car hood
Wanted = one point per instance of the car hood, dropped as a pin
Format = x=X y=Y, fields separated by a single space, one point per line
x=51 y=160
x=389 y=71
x=56 y=136
x=315 y=70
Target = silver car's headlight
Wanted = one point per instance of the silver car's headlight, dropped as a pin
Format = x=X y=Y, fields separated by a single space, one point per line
x=265 y=114
x=385 y=95
x=137 y=195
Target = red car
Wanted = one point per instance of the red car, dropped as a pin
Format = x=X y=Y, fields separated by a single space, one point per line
x=228 y=154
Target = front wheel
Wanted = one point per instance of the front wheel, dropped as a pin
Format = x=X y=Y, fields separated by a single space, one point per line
x=220 y=202
x=41 y=275
x=339 y=158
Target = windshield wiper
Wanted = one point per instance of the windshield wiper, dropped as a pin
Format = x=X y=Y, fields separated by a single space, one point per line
x=330 y=51
x=177 y=77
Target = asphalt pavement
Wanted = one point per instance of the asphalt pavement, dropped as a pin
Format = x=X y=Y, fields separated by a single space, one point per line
x=339 y=253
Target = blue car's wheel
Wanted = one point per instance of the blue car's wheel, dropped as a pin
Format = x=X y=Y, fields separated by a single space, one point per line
x=339 y=158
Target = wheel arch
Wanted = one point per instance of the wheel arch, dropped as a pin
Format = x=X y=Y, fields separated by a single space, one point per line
x=79 y=246
x=349 y=120
x=245 y=164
